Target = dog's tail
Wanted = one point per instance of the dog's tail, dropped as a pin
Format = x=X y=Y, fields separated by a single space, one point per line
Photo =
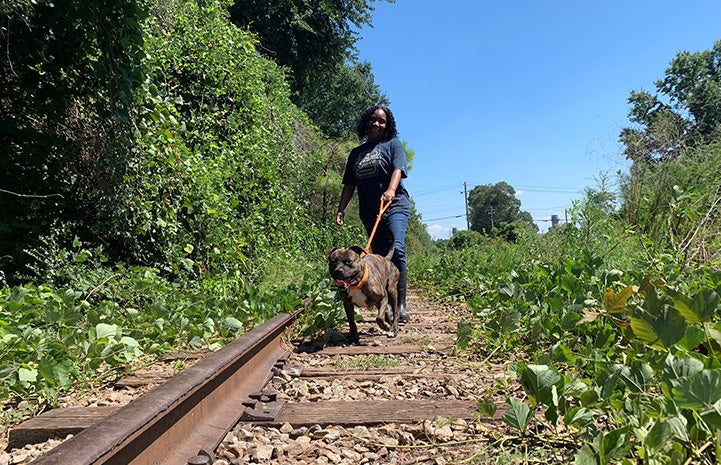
x=390 y=253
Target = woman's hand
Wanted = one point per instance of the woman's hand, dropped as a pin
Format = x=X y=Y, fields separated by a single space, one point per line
x=339 y=218
x=388 y=195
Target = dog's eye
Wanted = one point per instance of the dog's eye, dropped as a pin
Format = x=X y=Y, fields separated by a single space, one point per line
x=348 y=262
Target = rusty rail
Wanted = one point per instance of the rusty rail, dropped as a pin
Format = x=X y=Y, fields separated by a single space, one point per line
x=187 y=417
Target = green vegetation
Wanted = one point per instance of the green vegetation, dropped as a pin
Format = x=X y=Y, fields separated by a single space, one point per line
x=167 y=185
x=615 y=338
x=367 y=362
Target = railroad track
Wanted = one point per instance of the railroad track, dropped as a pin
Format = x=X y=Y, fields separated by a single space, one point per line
x=186 y=417
x=262 y=399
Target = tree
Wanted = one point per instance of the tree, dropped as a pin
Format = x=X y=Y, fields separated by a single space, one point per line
x=69 y=70
x=336 y=105
x=493 y=207
x=315 y=41
x=685 y=111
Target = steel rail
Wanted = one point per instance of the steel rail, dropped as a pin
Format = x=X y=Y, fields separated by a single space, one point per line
x=190 y=413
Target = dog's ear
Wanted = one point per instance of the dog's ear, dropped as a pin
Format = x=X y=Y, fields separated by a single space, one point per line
x=357 y=250
x=330 y=251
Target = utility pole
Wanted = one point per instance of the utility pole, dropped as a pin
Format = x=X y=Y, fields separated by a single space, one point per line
x=465 y=193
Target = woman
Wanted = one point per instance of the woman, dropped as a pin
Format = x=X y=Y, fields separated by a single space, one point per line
x=376 y=168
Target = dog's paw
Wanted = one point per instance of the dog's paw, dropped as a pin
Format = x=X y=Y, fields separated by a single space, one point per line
x=382 y=324
x=392 y=334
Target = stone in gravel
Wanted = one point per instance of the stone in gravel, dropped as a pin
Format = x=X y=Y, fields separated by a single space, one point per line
x=263 y=452
x=453 y=391
x=230 y=453
x=406 y=439
x=361 y=449
x=332 y=435
x=418 y=431
x=279 y=450
x=298 y=446
x=386 y=441
x=237 y=448
x=286 y=428
x=361 y=432
x=21 y=458
x=443 y=434
x=332 y=456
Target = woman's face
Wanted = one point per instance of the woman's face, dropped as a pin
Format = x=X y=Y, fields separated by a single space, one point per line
x=377 y=125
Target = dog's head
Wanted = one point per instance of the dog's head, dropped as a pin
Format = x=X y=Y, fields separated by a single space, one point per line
x=346 y=266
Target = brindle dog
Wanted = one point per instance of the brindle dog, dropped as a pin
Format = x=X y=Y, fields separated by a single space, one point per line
x=366 y=280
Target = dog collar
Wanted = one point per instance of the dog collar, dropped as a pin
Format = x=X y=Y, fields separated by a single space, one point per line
x=361 y=282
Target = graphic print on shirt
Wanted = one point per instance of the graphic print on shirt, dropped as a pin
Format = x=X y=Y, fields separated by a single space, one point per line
x=369 y=165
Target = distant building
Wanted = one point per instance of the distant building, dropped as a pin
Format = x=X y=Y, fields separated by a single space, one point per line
x=454 y=231
x=554 y=221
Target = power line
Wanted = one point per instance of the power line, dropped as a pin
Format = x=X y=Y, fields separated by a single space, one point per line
x=434 y=190
x=445 y=218
x=546 y=189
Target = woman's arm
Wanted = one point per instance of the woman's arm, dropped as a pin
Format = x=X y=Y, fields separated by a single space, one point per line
x=345 y=196
x=390 y=193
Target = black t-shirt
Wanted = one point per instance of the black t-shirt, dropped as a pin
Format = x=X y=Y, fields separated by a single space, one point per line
x=370 y=167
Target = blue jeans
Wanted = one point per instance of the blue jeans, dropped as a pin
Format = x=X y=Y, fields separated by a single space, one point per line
x=395 y=223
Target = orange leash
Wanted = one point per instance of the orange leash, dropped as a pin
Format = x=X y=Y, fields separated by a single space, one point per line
x=384 y=207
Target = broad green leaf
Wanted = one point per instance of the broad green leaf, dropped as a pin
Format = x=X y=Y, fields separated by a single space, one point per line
x=539 y=381
x=701 y=391
x=712 y=416
x=580 y=417
x=196 y=343
x=129 y=341
x=104 y=330
x=233 y=323
x=518 y=415
x=570 y=320
x=616 y=302
x=680 y=367
x=699 y=309
x=659 y=435
x=27 y=375
x=714 y=331
x=463 y=333
x=586 y=456
x=574 y=388
x=551 y=412
x=616 y=444
x=486 y=407
x=693 y=338
x=562 y=353
x=660 y=329
x=62 y=372
x=132 y=312
x=638 y=377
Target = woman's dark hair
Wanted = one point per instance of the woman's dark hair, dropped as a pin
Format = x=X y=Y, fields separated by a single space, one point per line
x=362 y=127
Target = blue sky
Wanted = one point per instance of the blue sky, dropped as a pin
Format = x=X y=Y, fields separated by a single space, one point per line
x=527 y=92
